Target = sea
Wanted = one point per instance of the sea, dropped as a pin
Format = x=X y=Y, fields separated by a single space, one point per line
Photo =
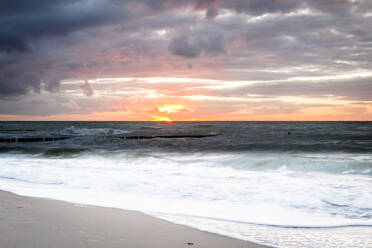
x=282 y=184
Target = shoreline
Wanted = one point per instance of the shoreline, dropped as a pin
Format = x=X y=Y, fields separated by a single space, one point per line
x=27 y=222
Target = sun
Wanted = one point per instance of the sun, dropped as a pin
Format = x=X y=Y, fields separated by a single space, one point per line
x=162 y=118
x=169 y=110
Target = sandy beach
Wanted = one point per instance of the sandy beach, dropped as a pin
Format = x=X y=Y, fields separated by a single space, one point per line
x=38 y=223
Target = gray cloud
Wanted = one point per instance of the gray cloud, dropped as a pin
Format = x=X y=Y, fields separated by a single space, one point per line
x=210 y=6
x=87 y=88
x=212 y=44
x=259 y=7
x=12 y=82
x=181 y=46
x=44 y=42
x=357 y=89
x=25 y=25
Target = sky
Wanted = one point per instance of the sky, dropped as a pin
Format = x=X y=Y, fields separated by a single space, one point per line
x=186 y=60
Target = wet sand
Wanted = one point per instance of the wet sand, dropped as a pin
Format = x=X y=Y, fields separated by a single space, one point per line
x=41 y=223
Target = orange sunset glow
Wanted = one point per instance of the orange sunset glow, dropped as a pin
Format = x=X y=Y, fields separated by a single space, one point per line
x=174 y=108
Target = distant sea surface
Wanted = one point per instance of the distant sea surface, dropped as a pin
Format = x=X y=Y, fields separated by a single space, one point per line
x=284 y=184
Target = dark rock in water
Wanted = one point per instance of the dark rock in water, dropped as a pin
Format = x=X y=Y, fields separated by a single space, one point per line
x=289 y=133
x=184 y=136
x=137 y=137
x=190 y=243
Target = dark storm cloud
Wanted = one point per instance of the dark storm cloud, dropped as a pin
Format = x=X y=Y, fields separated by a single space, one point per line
x=19 y=76
x=13 y=82
x=24 y=24
x=9 y=7
x=10 y=42
x=53 y=18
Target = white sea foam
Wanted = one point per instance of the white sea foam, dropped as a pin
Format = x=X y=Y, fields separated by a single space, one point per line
x=216 y=192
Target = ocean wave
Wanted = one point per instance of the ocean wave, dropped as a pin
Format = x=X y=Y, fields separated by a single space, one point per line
x=336 y=163
x=207 y=178
x=92 y=131
x=145 y=127
x=322 y=224
x=21 y=150
x=65 y=152
x=234 y=189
